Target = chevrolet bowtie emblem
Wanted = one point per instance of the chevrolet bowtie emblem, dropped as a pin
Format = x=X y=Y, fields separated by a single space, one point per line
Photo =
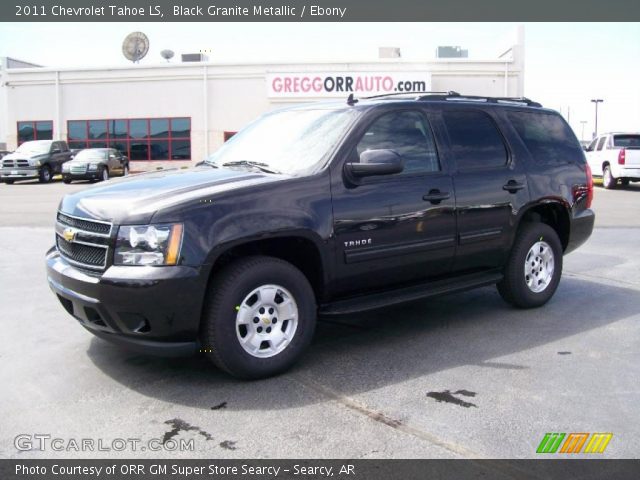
x=69 y=234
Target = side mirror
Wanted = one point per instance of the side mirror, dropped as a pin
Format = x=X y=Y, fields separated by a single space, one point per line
x=376 y=162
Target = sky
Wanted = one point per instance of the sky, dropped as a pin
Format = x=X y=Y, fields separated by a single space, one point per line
x=566 y=64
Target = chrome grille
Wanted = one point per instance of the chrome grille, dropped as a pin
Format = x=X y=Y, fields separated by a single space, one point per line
x=89 y=245
x=102 y=228
x=15 y=163
x=78 y=169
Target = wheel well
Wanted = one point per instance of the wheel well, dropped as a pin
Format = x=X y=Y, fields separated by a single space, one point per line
x=300 y=252
x=605 y=164
x=554 y=215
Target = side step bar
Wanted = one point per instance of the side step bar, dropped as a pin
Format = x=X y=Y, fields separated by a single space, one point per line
x=407 y=294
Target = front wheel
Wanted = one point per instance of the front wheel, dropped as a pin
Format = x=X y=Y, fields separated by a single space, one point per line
x=260 y=317
x=534 y=267
x=125 y=170
x=104 y=174
x=45 y=174
x=608 y=180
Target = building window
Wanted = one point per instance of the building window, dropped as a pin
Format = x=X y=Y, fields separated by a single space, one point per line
x=28 y=131
x=137 y=138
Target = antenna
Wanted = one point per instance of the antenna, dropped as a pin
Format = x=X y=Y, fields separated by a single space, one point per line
x=135 y=46
x=167 y=54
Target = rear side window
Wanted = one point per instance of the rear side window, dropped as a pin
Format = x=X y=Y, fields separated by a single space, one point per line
x=601 y=143
x=547 y=137
x=475 y=140
x=626 y=141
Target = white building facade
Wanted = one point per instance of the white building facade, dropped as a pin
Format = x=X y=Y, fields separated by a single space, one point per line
x=178 y=113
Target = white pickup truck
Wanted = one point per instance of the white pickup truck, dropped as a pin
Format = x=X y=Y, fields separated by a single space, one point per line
x=615 y=156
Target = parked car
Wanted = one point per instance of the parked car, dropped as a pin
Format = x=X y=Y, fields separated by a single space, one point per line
x=41 y=159
x=615 y=157
x=327 y=208
x=95 y=164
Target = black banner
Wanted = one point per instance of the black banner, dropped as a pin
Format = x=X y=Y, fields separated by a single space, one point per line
x=317 y=10
x=319 y=469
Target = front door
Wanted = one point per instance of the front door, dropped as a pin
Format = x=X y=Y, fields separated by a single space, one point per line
x=393 y=228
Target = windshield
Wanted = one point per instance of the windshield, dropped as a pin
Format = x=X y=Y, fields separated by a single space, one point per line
x=88 y=155
x=627 y=141
x=36 y=147
x=290 y=141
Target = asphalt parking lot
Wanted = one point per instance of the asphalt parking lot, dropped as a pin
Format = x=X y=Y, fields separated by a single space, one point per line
x=458 y=376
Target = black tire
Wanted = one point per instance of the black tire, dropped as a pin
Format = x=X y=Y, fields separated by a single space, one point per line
x=66 y=180
x=513 y=288
x=104 y=174
x=608 y=180
x=125 y=170
x=44 y=176
x=8 y=182
x=624 y=182
x=230 y=288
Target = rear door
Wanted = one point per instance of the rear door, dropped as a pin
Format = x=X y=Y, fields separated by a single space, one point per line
x=490 y=186
x=393 y=228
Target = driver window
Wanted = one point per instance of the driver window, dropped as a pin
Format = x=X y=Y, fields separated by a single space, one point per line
x=406 y=133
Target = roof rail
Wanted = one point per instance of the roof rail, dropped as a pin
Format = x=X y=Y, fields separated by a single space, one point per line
x=417 y=94
x=477 y=98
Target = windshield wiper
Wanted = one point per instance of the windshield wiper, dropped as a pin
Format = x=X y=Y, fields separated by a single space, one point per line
x=263 y=167
x=205 y=162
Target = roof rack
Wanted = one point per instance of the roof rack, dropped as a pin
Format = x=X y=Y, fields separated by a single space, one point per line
x=475 y=98
x=417 y=94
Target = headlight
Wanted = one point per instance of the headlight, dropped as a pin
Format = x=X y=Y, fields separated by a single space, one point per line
x=65 y=167
x=38 y=163
x=93 y=167
x=148 y=245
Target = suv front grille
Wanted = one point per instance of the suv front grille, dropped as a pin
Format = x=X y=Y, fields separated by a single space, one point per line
x=89 y=255
x=89 y=243
x=101 y=228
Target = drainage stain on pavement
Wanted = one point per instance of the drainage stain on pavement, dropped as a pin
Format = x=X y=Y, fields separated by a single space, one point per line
x=564 y=353
x=448 y=397
x=219 y=406
x=182 y=426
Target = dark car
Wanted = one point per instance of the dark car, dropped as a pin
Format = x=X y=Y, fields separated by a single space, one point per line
x=325 y=209
x=41 y=159
x=95 y=164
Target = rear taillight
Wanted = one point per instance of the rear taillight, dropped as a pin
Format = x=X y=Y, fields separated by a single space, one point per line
x=622 y=156
x=589 y=186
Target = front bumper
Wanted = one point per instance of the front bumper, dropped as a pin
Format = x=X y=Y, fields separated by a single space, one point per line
x=154 y=310
x=82 y=176
x=19 y=173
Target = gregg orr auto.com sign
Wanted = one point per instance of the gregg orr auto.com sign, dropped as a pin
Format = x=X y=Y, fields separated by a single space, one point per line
x=339 y=84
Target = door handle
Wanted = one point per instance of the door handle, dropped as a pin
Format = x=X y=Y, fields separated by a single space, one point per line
x=435 y=196
x=512 y=186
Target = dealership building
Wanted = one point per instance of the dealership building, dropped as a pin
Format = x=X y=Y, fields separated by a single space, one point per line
x=178 y=113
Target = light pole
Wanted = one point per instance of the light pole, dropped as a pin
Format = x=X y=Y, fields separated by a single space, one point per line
x=583 y=123
x=596 y=101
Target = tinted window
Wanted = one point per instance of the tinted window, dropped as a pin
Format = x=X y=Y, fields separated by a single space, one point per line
x=138 y=128
x=547 y=136
x=159 y=127
x=592 y=145
x=407 y=134
x=28 y=131
x=601 y=143
x=626 y=141
x=98 y=129
x=475 y=140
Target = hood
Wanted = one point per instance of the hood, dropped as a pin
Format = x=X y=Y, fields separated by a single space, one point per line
x=136 y=198
x=24 y=156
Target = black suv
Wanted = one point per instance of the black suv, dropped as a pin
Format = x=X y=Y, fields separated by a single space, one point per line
x=325 y=209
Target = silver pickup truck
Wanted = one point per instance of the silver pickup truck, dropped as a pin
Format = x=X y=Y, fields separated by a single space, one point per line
x=40 y=159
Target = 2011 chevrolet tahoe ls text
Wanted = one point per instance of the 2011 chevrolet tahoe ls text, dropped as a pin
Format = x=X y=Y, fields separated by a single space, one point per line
x=324 y=209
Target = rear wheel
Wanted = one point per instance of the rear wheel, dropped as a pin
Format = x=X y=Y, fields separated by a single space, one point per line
x=45 y=174
x=125 y=170
x=608 y=180
x=8 y=182
x=260 y=317
x=534 y=267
